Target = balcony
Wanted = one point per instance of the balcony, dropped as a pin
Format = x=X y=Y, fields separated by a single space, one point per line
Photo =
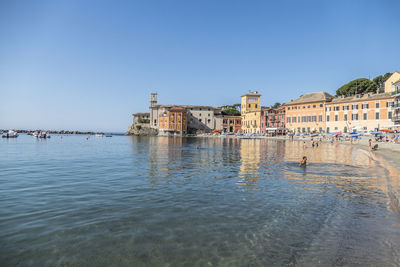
x=396 y=93
x=396 y=118
x=396 y=106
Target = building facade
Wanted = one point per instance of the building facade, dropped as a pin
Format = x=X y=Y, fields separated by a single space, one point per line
x=389 y=82
x=306 y=114
x=231 y=124
x=251 y=112
x=368 y=112
x=173 y=121
x=396 y=105
x=273 y=120
x=200 y=119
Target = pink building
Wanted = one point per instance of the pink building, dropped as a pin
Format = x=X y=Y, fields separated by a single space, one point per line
x=273 y=120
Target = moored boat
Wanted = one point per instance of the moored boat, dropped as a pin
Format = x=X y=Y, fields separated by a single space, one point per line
x=10 y=134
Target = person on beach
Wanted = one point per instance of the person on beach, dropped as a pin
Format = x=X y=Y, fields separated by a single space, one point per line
x=303 y=162
x=304 y=144
x=313 y=144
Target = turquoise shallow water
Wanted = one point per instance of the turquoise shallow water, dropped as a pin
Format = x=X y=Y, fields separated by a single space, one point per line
x=148 y=201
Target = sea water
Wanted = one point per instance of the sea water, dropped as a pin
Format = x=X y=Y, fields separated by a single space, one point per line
x=172 y=201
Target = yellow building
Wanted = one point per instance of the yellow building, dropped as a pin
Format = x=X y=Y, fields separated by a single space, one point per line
x=367 y=112
x=306 y=114
x=251 y=112
x=389 y=82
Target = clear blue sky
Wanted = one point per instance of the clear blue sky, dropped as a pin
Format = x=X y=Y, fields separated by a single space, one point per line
x=89 y=65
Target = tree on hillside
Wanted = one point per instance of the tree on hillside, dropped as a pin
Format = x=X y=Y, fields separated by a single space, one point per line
x=358 y=86
x=276 y=105
x=380 y=80
x=230 y=112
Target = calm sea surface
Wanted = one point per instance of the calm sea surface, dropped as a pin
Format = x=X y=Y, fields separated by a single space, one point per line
x=148 y=201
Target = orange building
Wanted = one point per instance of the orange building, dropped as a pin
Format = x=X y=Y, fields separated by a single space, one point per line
x=231 y=124
x=172 y=121
x=306 y=114
x=362 y=112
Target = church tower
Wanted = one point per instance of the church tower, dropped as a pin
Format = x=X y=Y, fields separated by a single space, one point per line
x=153 y=110
x=153 y=99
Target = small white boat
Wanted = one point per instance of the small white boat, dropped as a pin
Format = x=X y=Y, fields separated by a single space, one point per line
x=10 y=134
x=99 y=135
x=43 y=134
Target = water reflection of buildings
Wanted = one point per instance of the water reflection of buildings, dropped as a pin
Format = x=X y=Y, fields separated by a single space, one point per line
x=250 y=154
x=165 y=154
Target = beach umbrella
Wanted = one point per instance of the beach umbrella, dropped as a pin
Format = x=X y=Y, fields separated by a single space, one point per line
x=339 y=133
x=386 y=130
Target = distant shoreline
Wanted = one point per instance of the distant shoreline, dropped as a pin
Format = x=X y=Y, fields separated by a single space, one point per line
x=57 y=132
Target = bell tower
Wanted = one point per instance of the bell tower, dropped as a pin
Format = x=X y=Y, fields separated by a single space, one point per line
x=153 y=99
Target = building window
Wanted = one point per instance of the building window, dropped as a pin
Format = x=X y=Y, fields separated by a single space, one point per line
x=320 y=118
x=354 y=106
x=256 y=105
x=365 y=116
x=208 y=114
x=200 y=115
x=304 y=107
x=199 y=120
x=327 y=129
x=288 y=108
x=209 y=120
x=327 y=118
x=377 y=105
x=249 y=105
x=288 y=120
x=336 y=108
x=294 y=119
x=336 y=117
x=314 y=118
x=308 y=106
x=345 y=117
x=320 y=105
x=354 y=117
x=314 y=106
x=389 y=115
x=377 y=116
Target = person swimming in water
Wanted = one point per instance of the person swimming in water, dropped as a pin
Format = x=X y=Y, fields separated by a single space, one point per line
x=303 y=162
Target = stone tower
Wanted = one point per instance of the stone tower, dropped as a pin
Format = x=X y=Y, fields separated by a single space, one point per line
x=153 y=99
x=153 y=110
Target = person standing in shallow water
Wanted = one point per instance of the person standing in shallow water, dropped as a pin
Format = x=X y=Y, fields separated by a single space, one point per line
x=303 y=162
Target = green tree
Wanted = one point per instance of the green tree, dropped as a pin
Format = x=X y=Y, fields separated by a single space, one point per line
x=380 y=80
x=358 y=86
x=276 y=105
x=386 y=76
x=230 y=112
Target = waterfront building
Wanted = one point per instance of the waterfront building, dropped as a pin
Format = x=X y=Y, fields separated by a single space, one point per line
x=231 y=124
x=200 y=119
x=173 y=121
x=362 y=112
x=273 y=120
x=251 y=112
x=306 y=114
x=141 y=118
x=389 y=82
x=396 y=105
